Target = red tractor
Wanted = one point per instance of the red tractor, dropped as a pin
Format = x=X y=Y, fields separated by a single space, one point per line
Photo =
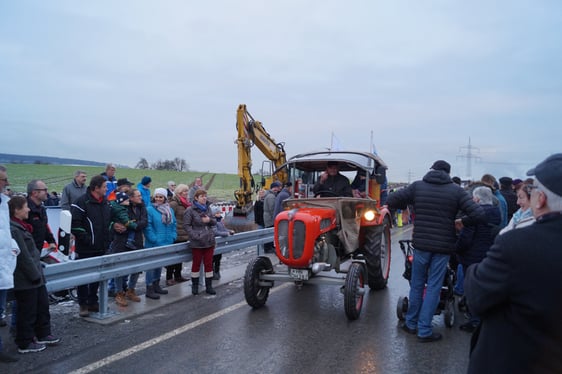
x=333 y=240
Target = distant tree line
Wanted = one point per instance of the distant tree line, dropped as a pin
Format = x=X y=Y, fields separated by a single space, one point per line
x=177 y=164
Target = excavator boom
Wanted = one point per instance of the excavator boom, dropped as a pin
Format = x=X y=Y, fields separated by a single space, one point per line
x=250 y=133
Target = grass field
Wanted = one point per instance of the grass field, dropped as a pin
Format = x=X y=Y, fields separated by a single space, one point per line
x=220 y=187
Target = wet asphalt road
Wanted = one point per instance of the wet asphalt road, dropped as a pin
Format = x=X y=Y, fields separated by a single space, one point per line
x=298 y=331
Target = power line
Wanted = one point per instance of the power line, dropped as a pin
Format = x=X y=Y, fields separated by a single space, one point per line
x=469 y=156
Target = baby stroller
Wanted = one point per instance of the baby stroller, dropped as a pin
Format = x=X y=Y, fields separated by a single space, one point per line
x=446 y=297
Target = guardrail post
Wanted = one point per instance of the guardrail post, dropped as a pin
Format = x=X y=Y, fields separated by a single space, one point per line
x=103 y=302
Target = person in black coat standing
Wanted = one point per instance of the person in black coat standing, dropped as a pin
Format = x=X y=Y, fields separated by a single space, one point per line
x=436 y=200
x=475 y=241
x=516 y=288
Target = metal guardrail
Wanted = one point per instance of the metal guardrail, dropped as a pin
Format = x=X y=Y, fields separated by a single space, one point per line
x=70 y=274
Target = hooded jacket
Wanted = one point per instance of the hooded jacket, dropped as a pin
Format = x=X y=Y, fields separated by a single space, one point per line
x=436 y=201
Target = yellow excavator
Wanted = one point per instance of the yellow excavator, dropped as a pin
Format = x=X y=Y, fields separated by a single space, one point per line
x=250 y=133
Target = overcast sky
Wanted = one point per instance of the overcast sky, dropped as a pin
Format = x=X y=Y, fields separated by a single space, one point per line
x=114 y=81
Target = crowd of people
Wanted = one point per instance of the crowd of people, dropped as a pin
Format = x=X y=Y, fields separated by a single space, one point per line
x=502 y=238
x=109 y=216
x=505 y=238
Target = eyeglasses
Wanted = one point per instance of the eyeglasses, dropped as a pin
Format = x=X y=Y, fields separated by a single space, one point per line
x=40 y=189
x=530 y=187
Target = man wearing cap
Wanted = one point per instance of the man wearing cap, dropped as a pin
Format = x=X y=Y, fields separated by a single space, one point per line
x=283 y=195
x=506 y=189
x=516 y=289
x=436 y=200
x=72 y=191
x=269 y=210
x=331 y=183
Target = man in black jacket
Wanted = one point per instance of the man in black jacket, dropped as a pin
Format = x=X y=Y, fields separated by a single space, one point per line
x=91 y=217
x=332 y=183
x=436 y=200
x=36 y=195
x=516 y=288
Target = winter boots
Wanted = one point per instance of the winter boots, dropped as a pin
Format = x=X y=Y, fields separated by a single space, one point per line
x=159 y=289
x=120 y=299
x=216 y=269
x=195 y=286
x=131 y=295
x=209 y=286
x=151 y=294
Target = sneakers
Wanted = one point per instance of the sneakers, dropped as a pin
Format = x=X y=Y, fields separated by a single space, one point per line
x=409 y=330
x=130 y=245
x=431 y=338
x=48 y=340
x=84 y=312
x=120 y=299
x=131 y=295
x=32 y=347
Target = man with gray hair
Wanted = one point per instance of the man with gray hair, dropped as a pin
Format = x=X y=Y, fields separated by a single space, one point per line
x=474 y=241
x=72 y=191
x=516 y=288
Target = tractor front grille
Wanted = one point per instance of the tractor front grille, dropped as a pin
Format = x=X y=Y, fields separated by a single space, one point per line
x=291 y=236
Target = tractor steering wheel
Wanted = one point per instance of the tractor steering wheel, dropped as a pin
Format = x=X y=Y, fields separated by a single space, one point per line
x=325 y=192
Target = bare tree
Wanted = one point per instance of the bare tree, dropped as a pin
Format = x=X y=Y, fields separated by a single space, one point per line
x=142 y=164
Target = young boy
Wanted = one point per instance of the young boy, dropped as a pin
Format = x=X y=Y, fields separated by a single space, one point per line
x=120 y=213
x=220 y=230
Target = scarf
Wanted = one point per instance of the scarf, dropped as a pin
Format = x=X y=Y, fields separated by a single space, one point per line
x=203 y=208
x=184 y=202
x=26 y=226
x=166 y=212
x=522 y=214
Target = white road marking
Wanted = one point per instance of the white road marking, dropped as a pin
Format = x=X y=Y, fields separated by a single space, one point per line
x=149 y=343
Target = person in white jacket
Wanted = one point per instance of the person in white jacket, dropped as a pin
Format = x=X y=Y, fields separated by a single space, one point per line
x=8 y=255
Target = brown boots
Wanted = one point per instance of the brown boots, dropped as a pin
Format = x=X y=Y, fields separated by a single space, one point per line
x=131 y=295
x=120 y=299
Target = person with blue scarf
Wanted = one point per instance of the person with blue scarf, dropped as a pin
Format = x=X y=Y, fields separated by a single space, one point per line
x=524 y=215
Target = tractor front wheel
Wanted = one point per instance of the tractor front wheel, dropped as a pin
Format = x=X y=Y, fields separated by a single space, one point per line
x=256 y=294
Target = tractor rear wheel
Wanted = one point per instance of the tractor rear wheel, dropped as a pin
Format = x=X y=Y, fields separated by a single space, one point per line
x=377 y=253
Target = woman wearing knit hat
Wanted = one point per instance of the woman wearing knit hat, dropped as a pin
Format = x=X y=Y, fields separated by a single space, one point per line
x=161 y=230
x=144 y=188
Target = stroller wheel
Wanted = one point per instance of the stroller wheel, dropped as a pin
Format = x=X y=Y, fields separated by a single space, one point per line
x=449 y=312
x=402 y=308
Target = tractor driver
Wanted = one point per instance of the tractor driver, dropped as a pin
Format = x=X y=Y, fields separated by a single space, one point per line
x=331 y=183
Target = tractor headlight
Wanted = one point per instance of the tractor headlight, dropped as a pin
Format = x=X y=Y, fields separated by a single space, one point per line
x=369 y=215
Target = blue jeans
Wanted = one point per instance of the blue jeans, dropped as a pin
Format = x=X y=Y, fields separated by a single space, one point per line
x=459 y=286
x=153 y=276
x=133 y=278
x=427 y=268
